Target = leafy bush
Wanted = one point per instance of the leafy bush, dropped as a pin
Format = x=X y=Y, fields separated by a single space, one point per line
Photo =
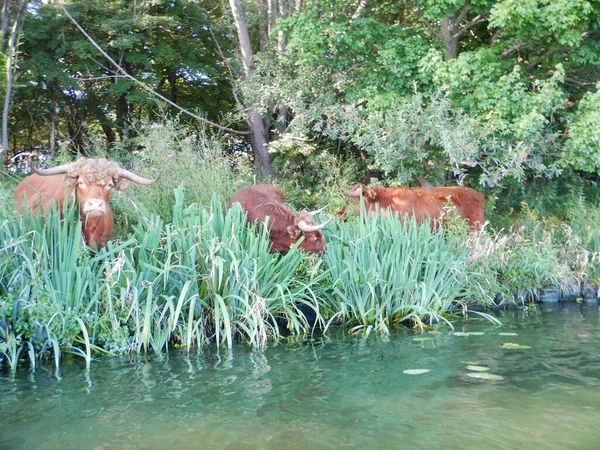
x=311 y=178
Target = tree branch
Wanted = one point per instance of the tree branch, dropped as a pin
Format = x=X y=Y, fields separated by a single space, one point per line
x=10 y=72
x=474 y=21
x=433 y=31
x=509 y=51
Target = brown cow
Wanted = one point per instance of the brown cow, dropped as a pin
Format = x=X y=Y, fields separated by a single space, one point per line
x=90 y=181
x=423 y=203
x=285 y=227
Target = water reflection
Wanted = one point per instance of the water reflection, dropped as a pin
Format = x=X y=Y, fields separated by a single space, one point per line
x=330 y=393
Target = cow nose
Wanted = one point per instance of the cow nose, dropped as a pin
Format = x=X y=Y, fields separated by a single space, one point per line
x=94 y=207
x=95 y=203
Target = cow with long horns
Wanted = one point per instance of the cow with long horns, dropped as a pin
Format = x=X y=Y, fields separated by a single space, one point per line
x=285 y=227
x=90 y=181
x=423 y=203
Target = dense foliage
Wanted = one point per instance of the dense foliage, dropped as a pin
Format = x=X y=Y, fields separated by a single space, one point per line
x=412 y=89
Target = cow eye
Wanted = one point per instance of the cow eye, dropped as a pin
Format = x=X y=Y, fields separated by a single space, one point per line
x=110 y=185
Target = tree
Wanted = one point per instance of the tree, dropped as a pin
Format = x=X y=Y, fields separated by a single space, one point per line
x=439 y=90
x=11 y=57
x=257 y=125
x=76 y=90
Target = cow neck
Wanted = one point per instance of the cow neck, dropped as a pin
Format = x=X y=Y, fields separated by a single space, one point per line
x=97 y=230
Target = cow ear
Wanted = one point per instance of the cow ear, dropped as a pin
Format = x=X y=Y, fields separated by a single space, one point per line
x=369 y=194
x=120 y=183
x=71 y=181
x=293 y=231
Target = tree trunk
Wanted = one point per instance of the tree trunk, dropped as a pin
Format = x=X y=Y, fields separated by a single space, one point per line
x=6 y=8
x=258 y=130
x=10 y=72
x=263 y=25
x=448 y=34
x=53 y=121
x=453 y=27
x=172 y=76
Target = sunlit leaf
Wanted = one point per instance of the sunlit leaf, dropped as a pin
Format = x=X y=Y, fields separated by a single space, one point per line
x=477 y=368
x=485 y=376
x=512 y=345
x=507 y=334
x=415 y=371
x=421 y=339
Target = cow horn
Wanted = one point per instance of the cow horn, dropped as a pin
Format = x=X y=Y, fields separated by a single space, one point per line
x=52 y=171
x=136 y=178
x=314 y=213
x=304 y=226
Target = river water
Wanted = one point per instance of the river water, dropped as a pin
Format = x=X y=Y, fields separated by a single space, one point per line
x=337 y=392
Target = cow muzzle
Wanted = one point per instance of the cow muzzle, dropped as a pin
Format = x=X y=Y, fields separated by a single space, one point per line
x=94 y=207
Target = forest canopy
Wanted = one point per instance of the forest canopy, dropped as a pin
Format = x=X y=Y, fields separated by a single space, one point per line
x=409 y=92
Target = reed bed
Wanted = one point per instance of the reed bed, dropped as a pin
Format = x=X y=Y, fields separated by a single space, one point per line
x=384 y=272
x=207 y=277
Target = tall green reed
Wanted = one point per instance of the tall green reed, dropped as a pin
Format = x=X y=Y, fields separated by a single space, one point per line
x=384 y=272
x=43 y=281
x=205 y=277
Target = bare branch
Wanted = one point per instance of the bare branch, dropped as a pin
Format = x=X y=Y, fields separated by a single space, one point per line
x=433 y=31
x=509 y=51
x=477 y=19
x=463 y=13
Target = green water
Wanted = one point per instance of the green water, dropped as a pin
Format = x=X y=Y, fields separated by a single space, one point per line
x=347 y=392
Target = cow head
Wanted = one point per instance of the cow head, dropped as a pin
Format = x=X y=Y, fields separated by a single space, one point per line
x=91 y=181
x=359 y=189
x=305 y=225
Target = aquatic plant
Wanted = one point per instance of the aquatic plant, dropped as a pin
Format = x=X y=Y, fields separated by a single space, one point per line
x=384 y=272
x=205 y=277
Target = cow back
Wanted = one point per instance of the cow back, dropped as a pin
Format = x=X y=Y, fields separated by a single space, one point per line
x=427 y=203
x=36 y=193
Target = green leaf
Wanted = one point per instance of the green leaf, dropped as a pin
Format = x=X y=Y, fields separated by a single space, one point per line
x=512 y=345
